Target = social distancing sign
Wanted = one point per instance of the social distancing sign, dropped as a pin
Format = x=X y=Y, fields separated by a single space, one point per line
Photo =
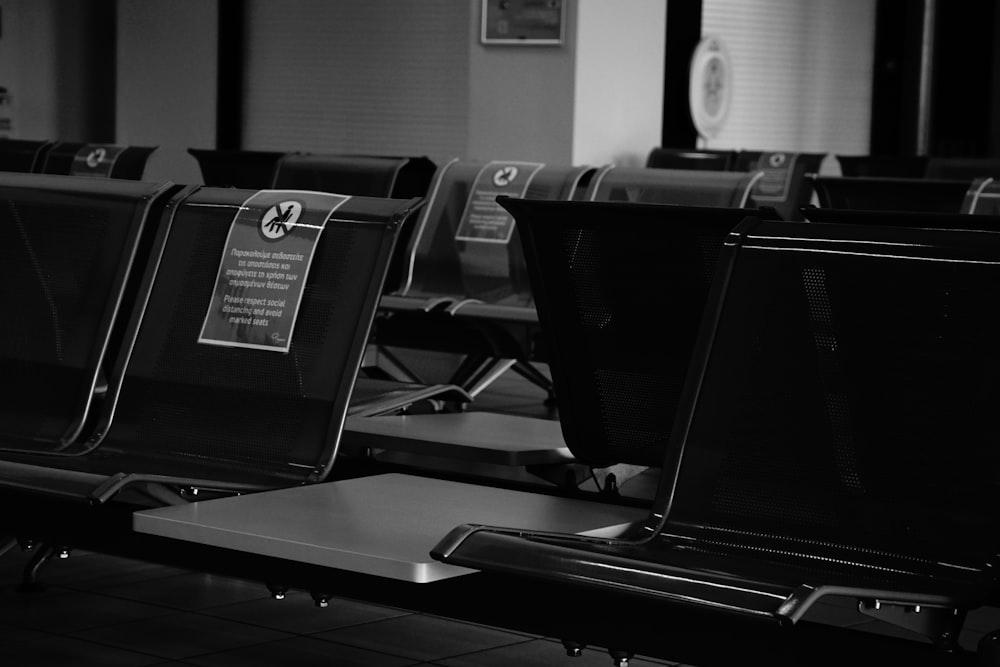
x=263 y=269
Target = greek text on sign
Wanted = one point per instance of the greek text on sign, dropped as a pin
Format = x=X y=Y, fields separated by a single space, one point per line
x=483 y=219
x=264 y=267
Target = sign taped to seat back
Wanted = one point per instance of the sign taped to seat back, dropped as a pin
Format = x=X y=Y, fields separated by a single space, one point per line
x=483 y=219
x=778 y=169
x=95 y=160
x=263 y=269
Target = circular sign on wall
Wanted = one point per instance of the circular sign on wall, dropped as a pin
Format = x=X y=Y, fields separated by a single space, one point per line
x=711 y=85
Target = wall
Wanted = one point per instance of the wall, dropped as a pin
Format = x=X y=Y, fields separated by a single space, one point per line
x=357 y=76
x=802 y=73
x=618 y=99
x=521 y=97
x=167 y=80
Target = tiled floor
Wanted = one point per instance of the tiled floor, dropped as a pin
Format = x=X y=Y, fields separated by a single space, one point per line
x=108 y=611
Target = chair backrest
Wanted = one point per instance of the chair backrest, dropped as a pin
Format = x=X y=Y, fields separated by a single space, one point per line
x=23 y=155
x=891 y=166
x=466 y=246
x=890 y=194
x=963 y=169
x=683 y=187
x=208 y=388
x=787 y=184
x=68 y=251
x=989 y=221
x=620 y=289
x=231 y=168
x=684 y=158
x=95 y=159
x=365 y=175
x=843 y=398
x=983 y=197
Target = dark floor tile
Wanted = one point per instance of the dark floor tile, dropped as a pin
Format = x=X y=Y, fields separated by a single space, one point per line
x=191 y=591
x=10 y=634
x=423 y=637
x=85 y=570
x=67 y=651
x=298 y=614
x=61 y=611
x=181 y=636
x=300 y=652
x=984 y=619
x=538 y=653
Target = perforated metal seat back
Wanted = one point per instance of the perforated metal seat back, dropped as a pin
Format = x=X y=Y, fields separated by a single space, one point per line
x=237 y=168
x=620 y=291
x=442 y=261
x=683 y=187
x=890 y=194
x=850 y=398
x=22 y=155
x=365 y=175
x=963 y=169
x=67 y=250
x=234 y=413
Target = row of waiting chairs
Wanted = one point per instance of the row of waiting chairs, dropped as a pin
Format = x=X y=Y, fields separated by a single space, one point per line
x=74 y=158
x=166 y=402
x=816 y=395
x=806 y=456
x=866 y=165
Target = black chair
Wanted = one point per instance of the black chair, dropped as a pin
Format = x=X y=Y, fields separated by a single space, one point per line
x=835 y=438
x=985 y=221
x=620 y=289
x=65 y=266
x=890 y=194
x=395 y=177
x=685 y=158
x=787 y=184
x=464 y=258
x=983 y=197
x=683 y=187
x=962 y=168
x=883 y=166
x=23 y=155
x=233 y=168
x=365 y=175
x=186 y=412
x=95 y=159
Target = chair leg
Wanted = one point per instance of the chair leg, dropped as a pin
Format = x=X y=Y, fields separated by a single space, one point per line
x=988 y=650
x=29 y=579
x=530 y=372
x=619 y=657
x=477 y=372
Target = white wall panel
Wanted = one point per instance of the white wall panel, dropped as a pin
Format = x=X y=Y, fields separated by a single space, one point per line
x=359 y=76
x=802 y=73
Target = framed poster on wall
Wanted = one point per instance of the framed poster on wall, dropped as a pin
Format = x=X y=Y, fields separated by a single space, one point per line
x=523 y=22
